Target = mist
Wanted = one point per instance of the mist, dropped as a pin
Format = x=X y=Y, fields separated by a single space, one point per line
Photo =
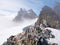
x=8 y=27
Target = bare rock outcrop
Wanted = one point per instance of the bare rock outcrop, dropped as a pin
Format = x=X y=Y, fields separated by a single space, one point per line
x=49 y=17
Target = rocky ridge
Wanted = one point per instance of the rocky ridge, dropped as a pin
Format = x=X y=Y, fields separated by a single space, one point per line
x=56 y=8
x=49 y=16
x=32 y=36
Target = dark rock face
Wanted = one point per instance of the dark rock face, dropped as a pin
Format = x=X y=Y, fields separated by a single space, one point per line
x=9 y=41
x=56 y=8
x=23 y=14
x=49 y=16
x=32 y=14
x=42 y=41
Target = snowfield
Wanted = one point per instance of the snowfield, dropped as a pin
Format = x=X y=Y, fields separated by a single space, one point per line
x=8 y=27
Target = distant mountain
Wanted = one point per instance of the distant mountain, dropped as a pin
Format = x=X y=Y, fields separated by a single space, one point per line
x=23 y=14
x=49 y=18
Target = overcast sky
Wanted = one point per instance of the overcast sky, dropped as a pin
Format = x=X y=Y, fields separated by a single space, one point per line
x=15 y=5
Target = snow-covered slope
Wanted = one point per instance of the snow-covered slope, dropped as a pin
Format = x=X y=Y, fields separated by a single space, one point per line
x=56 y=33
x=8 y=27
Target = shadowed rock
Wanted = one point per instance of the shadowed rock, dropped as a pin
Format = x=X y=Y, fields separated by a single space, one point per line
x=50 y=17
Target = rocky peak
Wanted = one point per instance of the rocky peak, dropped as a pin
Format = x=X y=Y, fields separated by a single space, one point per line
x=32 y=14
x=49 y=16
x=30 y=10
x=45 y=8
x=24 y=14
x=56 y=8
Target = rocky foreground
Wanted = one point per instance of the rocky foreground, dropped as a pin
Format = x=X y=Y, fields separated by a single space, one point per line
x=37 y=34
x=31 y=36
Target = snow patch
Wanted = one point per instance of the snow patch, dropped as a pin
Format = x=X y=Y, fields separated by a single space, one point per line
x=56 y=33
